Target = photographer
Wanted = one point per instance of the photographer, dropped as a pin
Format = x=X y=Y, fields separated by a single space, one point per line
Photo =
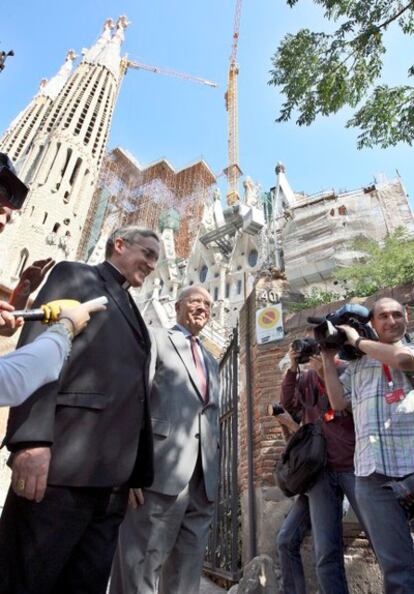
x=304 y=393
x=379 y=388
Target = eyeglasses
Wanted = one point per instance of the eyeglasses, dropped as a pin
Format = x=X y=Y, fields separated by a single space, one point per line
x=149 y=254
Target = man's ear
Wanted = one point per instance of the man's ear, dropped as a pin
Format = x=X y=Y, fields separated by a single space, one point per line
x=119 y=245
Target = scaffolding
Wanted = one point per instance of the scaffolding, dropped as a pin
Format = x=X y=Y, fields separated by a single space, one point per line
x=136 y=195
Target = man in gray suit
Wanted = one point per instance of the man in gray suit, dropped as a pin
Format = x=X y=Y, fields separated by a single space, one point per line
x=163 y=537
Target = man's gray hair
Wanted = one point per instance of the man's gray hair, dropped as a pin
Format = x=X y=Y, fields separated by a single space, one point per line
x=130 y=234
x=188 y=290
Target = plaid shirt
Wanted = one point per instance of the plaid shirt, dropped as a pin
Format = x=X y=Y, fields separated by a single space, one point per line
x=384 y=437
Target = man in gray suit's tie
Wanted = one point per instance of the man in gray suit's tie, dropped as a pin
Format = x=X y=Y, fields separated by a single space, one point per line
x=163 y=537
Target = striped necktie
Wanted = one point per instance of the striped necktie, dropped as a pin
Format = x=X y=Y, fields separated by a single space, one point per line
x=199 y=368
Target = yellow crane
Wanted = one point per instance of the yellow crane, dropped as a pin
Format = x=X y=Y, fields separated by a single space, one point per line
x=233 y=170
x=126 y=63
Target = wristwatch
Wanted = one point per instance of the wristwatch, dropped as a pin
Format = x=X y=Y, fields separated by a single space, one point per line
x=358 y=340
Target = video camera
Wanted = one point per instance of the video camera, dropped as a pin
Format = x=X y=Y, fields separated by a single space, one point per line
x=306 y=348
x=329 y=336
x=13 y=192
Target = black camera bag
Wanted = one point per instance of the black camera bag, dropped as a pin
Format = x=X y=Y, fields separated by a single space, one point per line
x=302 y=461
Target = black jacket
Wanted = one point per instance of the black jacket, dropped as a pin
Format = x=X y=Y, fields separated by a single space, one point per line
x=95 y=417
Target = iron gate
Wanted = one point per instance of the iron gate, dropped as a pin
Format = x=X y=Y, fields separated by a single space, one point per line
x=223 y=556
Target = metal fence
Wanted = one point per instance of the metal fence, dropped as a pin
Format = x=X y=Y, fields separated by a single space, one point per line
x=223 y=556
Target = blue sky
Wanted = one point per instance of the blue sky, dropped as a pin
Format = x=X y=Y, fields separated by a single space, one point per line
x=158 y=116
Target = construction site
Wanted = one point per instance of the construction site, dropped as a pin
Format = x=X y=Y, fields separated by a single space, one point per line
x=155 y=196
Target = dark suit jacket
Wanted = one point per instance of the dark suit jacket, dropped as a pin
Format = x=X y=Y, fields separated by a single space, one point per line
x=95 y=416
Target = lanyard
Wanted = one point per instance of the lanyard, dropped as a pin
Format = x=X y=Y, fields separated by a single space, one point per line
x=387 y=373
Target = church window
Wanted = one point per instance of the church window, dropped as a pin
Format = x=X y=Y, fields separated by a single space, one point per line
x=75 y=171
x=227 y=290
x=216 y=291
x=252 y=257
x=203 y=273
x=54 y=160
x=239 y=287
x=44 y=218
x=35 y=163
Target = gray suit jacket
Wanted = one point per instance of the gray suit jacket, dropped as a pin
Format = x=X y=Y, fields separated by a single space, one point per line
x=182 y=423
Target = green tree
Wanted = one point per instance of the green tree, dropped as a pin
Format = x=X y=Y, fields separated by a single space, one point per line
x=316 y=297
x=386 y=265
x=321 y=72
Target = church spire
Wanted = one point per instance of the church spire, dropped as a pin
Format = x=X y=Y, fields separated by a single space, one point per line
x=19 y=135
x=61 y=161
x=110 y=54
x=53 y=87
x=91 y=54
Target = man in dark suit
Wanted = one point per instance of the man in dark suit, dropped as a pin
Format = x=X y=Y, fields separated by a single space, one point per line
x=79 y=443
x=162 y=541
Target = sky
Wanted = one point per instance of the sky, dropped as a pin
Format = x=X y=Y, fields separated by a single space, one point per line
x=159 y=116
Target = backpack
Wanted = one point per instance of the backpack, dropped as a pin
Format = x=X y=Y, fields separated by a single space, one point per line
x=302 y=461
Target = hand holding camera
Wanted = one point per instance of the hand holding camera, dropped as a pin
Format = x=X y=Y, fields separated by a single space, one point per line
x=282 y=416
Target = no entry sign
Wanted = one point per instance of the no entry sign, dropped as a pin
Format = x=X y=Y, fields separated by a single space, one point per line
x=269 y=324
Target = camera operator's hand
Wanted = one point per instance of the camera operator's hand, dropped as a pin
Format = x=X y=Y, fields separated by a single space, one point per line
x=351 y=334
x=8 y=323
x=293 y=356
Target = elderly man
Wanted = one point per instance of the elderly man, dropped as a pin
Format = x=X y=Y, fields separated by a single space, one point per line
x=163 y=538
x=378 y=388
x=79 y=443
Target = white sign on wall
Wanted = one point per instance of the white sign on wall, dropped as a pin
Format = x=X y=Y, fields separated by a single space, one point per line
x=269 y=324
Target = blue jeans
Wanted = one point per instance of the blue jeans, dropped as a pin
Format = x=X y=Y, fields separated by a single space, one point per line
x=289 y=539
x=325 y=505
x=389 y=531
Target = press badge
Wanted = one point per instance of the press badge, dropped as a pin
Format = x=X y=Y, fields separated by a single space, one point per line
x=395 y=396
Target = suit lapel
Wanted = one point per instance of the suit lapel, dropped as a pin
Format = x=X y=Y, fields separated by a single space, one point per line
x=119 y=295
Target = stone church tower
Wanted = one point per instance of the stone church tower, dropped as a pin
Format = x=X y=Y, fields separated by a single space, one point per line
x=57 y=144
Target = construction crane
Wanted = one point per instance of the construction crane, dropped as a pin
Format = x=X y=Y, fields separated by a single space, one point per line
x=233 y=170
x=166 y=71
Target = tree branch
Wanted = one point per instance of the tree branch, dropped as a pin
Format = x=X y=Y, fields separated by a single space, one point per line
x=396 y=15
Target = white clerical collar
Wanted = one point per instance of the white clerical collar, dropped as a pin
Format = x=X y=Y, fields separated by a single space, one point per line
x=125 y=285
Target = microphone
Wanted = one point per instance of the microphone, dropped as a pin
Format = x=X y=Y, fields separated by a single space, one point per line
x=50 y=312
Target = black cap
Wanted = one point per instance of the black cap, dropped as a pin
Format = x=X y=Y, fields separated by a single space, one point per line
x=13 y=192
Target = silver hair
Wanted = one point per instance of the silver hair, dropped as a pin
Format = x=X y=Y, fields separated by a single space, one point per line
x=185 y=292
x=130 y=234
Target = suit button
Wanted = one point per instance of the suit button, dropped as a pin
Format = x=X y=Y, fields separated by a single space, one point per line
x=197 y=436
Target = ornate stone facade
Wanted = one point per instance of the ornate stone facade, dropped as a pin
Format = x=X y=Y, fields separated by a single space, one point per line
x=58 y=143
